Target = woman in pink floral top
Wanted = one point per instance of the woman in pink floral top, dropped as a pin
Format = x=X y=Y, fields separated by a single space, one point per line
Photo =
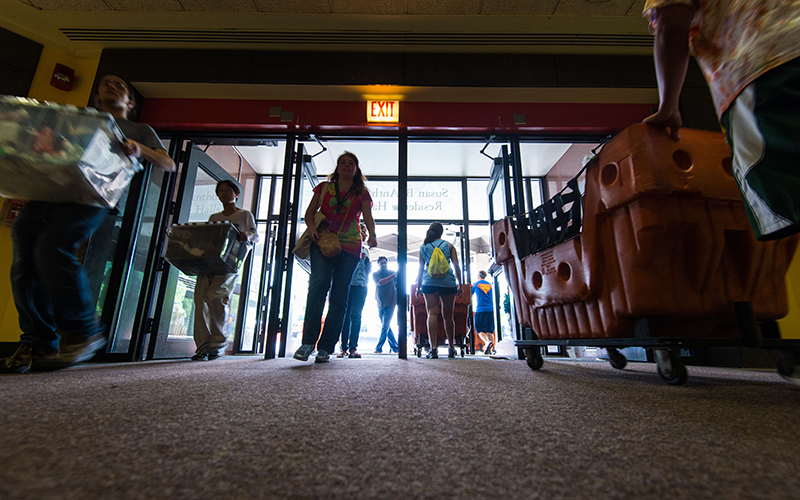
x=748 y=51
x=344 y=200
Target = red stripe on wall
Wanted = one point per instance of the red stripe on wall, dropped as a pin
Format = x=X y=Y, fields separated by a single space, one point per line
x=415 y=117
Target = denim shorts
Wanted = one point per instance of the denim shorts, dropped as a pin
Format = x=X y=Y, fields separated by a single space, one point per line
x=443 y=290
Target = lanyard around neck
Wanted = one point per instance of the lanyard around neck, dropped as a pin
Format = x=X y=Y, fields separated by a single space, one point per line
x=339 y=199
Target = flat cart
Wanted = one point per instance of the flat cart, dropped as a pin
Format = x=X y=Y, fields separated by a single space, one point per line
x=419 y=322
x=655 y=251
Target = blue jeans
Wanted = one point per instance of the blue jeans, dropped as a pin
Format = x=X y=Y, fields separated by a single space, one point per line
x=49 y=285
x=327 y=273
x=386 y=314
x=351 y=326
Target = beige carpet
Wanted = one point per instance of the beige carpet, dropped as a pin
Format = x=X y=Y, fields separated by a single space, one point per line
x=380 y=427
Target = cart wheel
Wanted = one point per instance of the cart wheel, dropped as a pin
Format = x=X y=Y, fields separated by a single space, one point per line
x=462 y=352
x=534 y=359
x=617 y=359
x=418 y=350
x=670 y=367
x=788 y=362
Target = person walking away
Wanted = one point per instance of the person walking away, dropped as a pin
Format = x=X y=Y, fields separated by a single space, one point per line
x=50 y=287
x=351 y=325
x=386 y=295
x=212 y=293
x=344 y=200
x=439 y=285
x=484 y=312
x=748 y=51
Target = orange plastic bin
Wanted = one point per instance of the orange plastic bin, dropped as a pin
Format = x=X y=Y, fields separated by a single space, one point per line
x=664 y=254
x=419 y=322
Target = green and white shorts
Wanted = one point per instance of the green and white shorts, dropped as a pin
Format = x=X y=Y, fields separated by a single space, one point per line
x=763 y=127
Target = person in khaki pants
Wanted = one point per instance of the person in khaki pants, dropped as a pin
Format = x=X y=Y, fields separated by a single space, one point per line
x=212 y=294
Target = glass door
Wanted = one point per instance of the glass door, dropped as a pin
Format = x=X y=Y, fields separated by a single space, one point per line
x=196 y=201
x=118 y=264
x=506 y=199
x=299 y=178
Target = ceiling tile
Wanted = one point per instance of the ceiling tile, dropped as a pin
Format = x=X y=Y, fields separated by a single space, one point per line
x=369 y=6
x=294 y=6
x=593 y=7
x=68 y=4
x=518 y=7
x=637 y=8
x=444 y=7
x=219 y=5
x=145 y=5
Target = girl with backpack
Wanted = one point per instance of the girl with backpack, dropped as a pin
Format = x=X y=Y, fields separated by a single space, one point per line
x=438 y=284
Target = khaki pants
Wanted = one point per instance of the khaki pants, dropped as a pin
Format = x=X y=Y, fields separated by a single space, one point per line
x=212 y=298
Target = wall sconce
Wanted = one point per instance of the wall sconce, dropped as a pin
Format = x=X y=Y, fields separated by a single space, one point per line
x=62 y=77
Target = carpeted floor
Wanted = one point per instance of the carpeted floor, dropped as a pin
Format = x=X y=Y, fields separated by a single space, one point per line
x=379 y=427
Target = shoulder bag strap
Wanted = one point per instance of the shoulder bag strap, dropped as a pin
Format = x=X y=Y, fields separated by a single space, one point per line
x=321 y=195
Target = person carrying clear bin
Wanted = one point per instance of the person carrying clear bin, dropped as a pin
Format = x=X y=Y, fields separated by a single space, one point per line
x=49 y=284
x=212 y=293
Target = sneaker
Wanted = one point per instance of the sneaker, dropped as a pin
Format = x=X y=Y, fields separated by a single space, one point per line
x=489 y=348
x=82 y=350
x=322 y=356
x=451 y=354
x=200 y=357
x=303 y=352
x=377 y=352
x=342 y=354
x=19 y=362
x=213 y=356
x=432 y=354
x=354 y=354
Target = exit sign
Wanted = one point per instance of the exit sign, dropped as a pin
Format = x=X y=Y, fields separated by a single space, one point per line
x=383 y=111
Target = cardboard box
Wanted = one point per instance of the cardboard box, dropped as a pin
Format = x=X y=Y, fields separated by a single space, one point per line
x=59 y=153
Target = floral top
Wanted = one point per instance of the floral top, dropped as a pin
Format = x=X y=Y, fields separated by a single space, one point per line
x=335 y=209
x=736 y=41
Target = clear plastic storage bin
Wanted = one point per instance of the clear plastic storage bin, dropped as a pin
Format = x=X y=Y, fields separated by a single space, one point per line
x=202 y=249
x=61 y=153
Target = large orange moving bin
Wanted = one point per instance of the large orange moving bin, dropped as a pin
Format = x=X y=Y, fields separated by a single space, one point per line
x=419 y=321
x=665 y=250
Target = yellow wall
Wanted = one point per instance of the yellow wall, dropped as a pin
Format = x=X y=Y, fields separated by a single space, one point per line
x=790 y=325
x=41 y=89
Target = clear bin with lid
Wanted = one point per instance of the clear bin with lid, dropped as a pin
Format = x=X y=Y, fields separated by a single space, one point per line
x=61 y=153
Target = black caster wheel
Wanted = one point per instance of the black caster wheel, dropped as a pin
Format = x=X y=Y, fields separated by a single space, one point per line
x=670 y=367
x=463 y=351
x=616 y=359
x=789 y=365
x=534 y=359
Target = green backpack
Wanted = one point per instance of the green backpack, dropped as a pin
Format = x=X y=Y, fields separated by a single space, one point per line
x=438 y=265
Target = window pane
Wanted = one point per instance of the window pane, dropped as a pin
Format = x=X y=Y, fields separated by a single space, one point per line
x=262 y=212
x=478 y=199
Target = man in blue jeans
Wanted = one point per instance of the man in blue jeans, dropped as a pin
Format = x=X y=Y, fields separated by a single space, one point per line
x=49 y=284
x=386 y=294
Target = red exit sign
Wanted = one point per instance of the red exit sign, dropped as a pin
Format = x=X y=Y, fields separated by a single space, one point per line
x=383 y=111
